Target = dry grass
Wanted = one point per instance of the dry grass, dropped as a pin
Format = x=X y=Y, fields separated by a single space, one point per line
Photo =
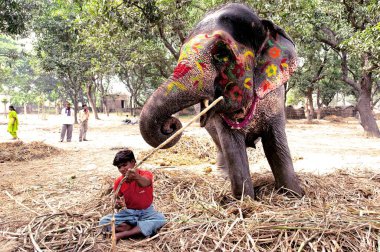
x=340 y=212
x=20 y=151
x=193 y=151
x=189 y=150
x=335 y=119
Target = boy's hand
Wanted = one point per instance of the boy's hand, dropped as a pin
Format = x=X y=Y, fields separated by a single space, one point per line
x=131 y=175
x=120 y=203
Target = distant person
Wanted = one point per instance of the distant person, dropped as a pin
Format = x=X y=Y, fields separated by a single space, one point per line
x=84 y=114
x=13 y=122
x=139 y=215
x=132 y=121
x=127 y=120
x=67 y=115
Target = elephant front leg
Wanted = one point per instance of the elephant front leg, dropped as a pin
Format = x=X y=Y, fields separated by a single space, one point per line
x=278 y=155
x=233 y=149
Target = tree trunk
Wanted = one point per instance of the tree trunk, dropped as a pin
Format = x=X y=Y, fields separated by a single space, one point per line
x=104 y=100
x=91 y=100
x=76 y=109
x=306 y=109
x=5 y=110
x=367 y=120
x=105 y=107
x=25 y=108
x=57 y=108
x=319 y=105
x=131 y=105
x=309 y=109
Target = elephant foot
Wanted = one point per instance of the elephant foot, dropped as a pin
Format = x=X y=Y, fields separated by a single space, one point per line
x=291 y=190
x=248 y=191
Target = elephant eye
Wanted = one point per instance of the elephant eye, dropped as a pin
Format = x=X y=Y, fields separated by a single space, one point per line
x=221 y=54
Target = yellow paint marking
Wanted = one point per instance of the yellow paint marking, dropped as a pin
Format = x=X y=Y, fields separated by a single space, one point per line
x=246 y=81
x=173 y=84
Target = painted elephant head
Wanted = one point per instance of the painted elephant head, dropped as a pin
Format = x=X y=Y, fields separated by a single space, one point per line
x=230 y=53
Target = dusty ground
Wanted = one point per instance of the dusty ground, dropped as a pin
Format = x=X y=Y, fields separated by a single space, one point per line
x=75 y=175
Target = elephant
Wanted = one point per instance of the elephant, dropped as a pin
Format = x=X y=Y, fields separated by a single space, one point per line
x=232 y=53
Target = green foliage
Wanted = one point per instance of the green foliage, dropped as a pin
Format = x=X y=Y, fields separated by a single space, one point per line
x=21 y=77
x=15 y=15
x=60 y=48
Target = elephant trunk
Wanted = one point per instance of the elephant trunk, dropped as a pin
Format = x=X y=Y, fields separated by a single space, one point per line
x=156 y=121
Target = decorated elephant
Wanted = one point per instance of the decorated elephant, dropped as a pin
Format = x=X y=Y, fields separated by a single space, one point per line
x=235 y=54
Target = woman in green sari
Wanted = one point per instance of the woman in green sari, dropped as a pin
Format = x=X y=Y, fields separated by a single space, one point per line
x=13 y=122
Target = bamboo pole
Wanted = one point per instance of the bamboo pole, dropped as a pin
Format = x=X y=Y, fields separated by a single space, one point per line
x=113 y=249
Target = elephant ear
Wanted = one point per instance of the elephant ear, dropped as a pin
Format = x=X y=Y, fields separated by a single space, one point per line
x=234 y=65
x=276 y=60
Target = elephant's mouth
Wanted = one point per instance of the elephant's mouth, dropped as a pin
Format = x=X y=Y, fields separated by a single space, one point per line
x=237 y=119
x=242 y=117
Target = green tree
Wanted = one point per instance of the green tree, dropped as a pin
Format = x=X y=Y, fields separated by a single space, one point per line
x=15 y=16
x=60 y=50
x=350 y=29
x=358 y=64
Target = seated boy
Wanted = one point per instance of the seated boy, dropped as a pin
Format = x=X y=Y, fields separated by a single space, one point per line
x=139 y=216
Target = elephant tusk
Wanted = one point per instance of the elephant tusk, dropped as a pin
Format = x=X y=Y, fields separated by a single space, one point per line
x=206 y=103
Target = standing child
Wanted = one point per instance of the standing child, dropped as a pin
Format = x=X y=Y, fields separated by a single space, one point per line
x=139 y=216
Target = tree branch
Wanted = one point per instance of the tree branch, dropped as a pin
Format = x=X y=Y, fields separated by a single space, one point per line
x=331 y=39
x=345 y=78
x=166 y=42
x=318 y=76
x=162 y=72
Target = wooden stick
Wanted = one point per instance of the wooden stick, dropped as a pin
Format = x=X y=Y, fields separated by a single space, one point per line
x=35 y=245
x=113 y=249
x=10 y=196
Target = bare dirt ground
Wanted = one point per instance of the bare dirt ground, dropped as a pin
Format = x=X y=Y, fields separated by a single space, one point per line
x=78 y=172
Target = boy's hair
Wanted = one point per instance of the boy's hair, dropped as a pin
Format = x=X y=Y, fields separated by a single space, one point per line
x=123 y=157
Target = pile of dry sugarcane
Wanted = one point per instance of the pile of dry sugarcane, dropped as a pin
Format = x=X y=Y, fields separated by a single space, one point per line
x=193 y=151
x=340 y=212
x=20 y=151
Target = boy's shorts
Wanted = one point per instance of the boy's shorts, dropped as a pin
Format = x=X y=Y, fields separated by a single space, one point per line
x=148 y=220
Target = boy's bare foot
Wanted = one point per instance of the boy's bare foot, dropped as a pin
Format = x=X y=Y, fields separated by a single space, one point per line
x=124 y=234
x=123 y=227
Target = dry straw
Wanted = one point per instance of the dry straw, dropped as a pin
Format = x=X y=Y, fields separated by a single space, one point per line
x=20 y=151
x=340 y=212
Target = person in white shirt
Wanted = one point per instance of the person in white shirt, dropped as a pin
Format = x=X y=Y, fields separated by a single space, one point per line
x=67 y=122
x=84 y=114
